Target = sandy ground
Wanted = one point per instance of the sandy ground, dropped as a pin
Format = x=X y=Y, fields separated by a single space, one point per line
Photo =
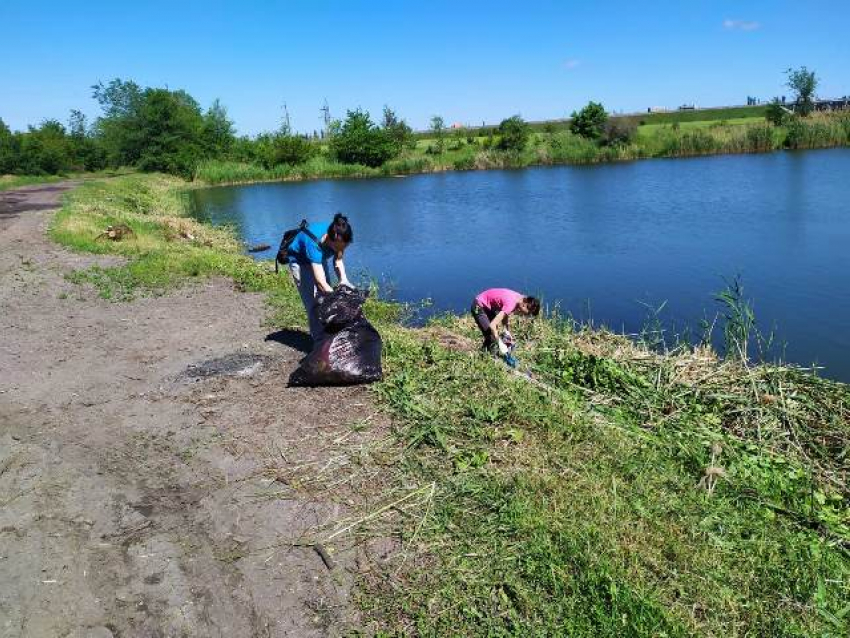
x=157 y=477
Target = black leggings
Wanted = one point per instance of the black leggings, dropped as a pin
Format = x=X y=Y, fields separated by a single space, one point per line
x=483 y=317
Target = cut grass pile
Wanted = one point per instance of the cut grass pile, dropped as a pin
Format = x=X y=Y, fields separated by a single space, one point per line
x=623 y=493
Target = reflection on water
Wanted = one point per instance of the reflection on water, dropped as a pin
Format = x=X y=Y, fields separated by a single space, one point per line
x=604 y=237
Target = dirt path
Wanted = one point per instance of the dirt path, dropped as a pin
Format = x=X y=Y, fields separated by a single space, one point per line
x=152 y=458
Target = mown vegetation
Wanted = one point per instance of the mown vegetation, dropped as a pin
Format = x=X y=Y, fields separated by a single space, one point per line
x=625 y=489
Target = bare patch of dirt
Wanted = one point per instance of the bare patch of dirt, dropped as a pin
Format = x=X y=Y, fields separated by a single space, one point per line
x=157 y=476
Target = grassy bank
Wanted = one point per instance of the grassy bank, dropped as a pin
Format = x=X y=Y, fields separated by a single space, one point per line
x=625 y=493
x=652 y=139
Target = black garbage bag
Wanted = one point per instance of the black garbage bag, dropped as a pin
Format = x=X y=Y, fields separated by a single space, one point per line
x=350 y=350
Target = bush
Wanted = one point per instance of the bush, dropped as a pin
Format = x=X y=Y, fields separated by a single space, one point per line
x=619 y=132
x=288 y=149
x=360 y=141
x=589 y=122
x=573 y=149
x=775 y=114
x=514 y=133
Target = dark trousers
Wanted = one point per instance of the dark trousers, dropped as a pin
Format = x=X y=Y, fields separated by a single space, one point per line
x=483 y=317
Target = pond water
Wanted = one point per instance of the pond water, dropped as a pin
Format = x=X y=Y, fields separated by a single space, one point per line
x=604 y=242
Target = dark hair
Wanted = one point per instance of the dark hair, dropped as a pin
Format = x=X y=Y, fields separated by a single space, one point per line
x=533 y=305
x=340 y=229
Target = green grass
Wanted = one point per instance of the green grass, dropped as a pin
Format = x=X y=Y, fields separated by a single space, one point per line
x=738 y=132
x=575 y=509
x=16 y=181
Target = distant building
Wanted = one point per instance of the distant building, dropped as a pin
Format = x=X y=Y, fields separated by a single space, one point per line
x=657 y=109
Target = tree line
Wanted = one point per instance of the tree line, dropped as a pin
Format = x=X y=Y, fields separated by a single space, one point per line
x=158 y=129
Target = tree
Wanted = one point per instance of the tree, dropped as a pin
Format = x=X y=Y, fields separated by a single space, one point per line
x=803 y=83
x=169 y=132
x=117 y=128
x=359 y=141
x=438 y=128
x=217 y=131
x=8 y=150
x=399 y=132
x=288 y=149
x=514 y=133
x=85 y=153
x=589 y=122
x=45 y=149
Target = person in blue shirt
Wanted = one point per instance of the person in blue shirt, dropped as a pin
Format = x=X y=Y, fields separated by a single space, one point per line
x=308 y=263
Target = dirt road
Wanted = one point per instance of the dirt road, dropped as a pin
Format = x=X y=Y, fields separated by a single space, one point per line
x=152 y=459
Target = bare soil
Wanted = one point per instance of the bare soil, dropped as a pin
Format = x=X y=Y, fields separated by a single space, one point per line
x=157 y=476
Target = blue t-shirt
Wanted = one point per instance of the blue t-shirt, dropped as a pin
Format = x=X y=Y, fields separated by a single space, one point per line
x=304 y=250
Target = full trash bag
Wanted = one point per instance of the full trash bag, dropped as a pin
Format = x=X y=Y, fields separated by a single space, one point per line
x=350 y=350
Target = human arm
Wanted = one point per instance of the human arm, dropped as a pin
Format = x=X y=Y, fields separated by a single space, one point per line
x=497 y=322
x=339 y=266
x=319 y=275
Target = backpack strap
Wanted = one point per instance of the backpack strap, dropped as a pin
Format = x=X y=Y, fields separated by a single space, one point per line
x=303 y=228
x=284 y=245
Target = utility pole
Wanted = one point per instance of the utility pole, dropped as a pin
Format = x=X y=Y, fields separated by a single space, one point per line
x=326 y=117
x=286 y=127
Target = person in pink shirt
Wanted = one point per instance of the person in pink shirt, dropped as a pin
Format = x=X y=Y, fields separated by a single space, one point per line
x=491 y=310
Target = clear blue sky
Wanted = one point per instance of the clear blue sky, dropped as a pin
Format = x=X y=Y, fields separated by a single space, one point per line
x=467 y=61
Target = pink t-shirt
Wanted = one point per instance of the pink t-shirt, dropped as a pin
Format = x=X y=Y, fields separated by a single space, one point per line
x=496 y=299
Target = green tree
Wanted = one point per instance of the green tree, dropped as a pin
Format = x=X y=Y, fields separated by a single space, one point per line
x=288 y=149
x=513 y=134
x=803 y=83
x=438 y=128
x=217 y=131
x=85 y=152
x=399 y=132
x=44 y=150
x=590 y=121
x=117 y=129
x=360 y=141
x=169 y=132
x=9 y=158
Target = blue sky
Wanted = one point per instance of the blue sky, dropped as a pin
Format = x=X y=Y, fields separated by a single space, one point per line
x=467 y=61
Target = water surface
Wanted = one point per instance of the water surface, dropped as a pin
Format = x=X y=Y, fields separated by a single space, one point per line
x=601 y=241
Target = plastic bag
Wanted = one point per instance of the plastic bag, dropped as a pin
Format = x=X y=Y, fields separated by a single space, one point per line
x=350 y=351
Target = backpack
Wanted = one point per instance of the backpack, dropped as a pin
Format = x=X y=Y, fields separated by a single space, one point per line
x=289 y=237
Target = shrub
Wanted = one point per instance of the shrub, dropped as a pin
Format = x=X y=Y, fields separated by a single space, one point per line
x=288 y=149
x=619 y=132
x=589 y=122
x=570 y=148
x=775 y=114
x=360 y=141
x=514 y=133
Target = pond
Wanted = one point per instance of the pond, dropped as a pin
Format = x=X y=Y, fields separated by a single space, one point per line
x=606 y=242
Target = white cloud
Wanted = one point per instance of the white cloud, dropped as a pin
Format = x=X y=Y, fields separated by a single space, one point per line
x=741 y=25
x=571 y=64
